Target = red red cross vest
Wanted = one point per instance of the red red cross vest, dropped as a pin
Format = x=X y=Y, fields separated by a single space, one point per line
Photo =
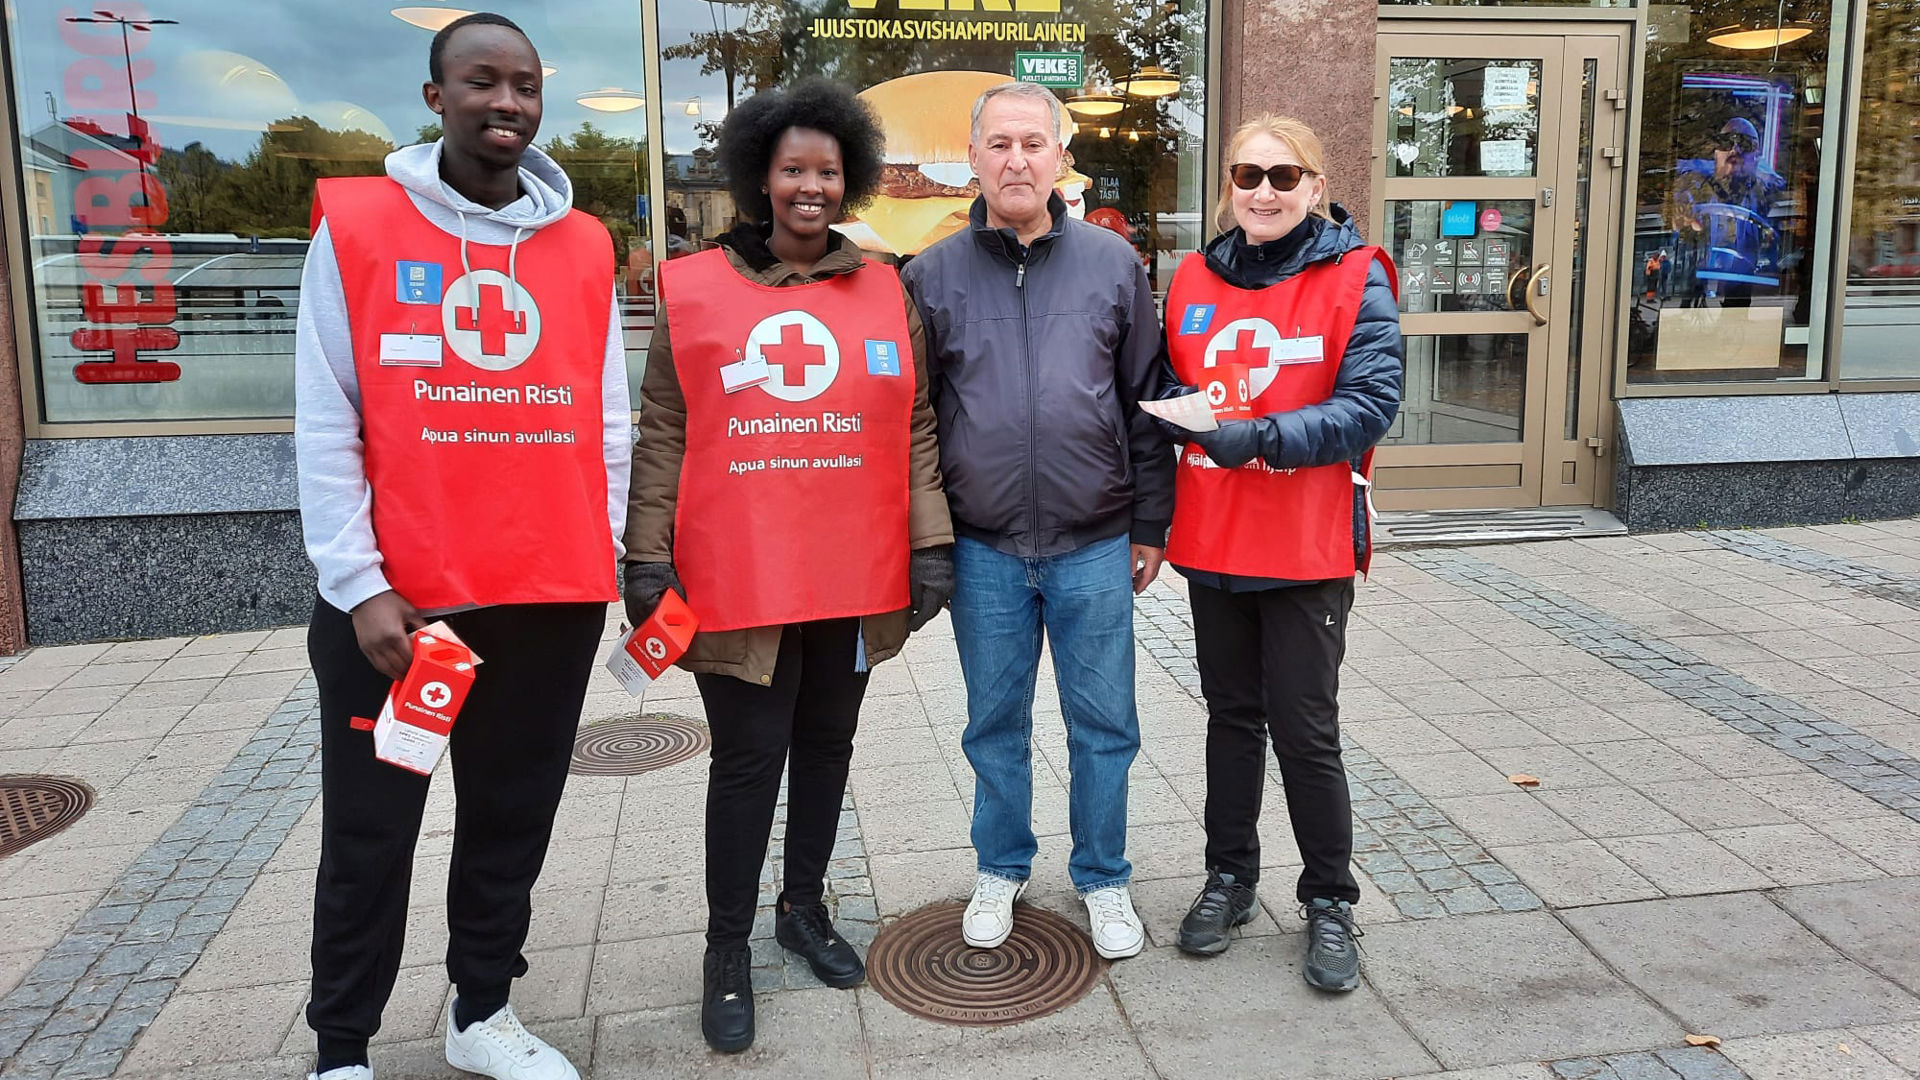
x=1257 y=521
x=793 y=492
x=480 y=405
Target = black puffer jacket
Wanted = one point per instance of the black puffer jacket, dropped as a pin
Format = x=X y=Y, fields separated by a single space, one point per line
x=1366 y=392
x=1039 y=356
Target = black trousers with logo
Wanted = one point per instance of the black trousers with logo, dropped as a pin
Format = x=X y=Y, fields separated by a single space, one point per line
x=510 y=748
x=802 y=722
x=1270 y=666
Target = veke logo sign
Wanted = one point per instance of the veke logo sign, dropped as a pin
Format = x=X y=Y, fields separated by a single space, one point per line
x=489 y=321
x=1060 y=69
x=436 y=695
x=800 y=353
x=1253 y=342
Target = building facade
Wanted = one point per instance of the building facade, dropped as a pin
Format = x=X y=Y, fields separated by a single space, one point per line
x=1659 y=259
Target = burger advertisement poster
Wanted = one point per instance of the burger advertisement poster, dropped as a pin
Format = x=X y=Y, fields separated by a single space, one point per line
x=1130 y=78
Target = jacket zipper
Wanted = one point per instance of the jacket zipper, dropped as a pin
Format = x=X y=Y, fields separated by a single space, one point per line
x=1033 y=438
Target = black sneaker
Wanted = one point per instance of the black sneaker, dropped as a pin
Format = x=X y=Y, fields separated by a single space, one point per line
x=809 y=932
x=726 y=1003
x=1333 y=956
x=1223 y=904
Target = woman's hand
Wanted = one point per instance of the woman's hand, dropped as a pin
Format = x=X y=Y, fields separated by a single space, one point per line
x=929 y=584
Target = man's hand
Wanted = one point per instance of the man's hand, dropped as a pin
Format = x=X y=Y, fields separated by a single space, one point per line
x=384 y=624
x=1146 y=566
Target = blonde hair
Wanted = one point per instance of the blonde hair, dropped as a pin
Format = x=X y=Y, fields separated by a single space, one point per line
x=1299 y=138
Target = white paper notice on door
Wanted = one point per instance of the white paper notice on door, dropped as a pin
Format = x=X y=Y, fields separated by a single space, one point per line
x=1504 y=157
x=1506 y=86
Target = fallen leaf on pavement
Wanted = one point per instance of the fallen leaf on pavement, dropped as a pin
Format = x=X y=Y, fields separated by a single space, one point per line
x=1845 y=1049
x=1521 y=779
x=1703 y=1040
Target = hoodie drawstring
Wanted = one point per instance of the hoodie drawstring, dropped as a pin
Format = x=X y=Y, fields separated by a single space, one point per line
x=513 y=281
x=466 y=267
x=513 y=256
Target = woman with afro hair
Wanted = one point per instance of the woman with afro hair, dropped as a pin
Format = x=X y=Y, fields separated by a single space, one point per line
x=787 y=485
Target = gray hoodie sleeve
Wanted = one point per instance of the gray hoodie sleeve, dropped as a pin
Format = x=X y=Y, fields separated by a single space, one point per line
x=616 y=441
x=336 y=502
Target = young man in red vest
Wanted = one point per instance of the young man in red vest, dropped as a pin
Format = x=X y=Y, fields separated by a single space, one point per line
x=463 y=438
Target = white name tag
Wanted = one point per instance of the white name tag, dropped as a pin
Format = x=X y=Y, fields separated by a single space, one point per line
x=410 y=350
x=744 y=373
x=1300 y=350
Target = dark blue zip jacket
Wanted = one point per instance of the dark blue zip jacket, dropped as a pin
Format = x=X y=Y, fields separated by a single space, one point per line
x=1038 y=358
x=1366 y=392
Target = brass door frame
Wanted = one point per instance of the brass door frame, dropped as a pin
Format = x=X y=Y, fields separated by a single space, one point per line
x=1454 y=476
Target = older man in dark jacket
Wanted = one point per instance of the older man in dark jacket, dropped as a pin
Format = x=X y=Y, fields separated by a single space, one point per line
x=1042 y=340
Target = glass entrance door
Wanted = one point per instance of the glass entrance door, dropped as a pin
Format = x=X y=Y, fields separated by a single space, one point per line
x=1496 y=193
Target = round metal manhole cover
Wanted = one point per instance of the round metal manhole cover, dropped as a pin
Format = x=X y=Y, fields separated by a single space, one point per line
x=921 y=964
x=33 y=808
x=632 y=745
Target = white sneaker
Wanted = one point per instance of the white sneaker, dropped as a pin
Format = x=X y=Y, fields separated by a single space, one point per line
x=499 y=1047
x=989 y=917
x=1117 y=933
x=344 y=1072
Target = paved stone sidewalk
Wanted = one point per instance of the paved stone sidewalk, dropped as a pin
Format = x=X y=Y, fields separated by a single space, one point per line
x=1723 y=842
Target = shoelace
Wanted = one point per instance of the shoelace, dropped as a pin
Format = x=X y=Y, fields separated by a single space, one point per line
x=735 y=974
x=994 y=893
x=1324 y=924
x=507 y=1028
x=1214 y=898
x=814 y=923
x=1107 y=906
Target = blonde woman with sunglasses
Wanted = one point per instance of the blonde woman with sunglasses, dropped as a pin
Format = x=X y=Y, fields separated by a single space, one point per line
x=1271 y=522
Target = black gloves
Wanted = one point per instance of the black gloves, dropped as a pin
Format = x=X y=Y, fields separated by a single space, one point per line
x=644 y=584
x=929 y=584
x=1173 y=432
x=1238 y=442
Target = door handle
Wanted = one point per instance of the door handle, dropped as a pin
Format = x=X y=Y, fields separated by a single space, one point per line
x=1537 y=286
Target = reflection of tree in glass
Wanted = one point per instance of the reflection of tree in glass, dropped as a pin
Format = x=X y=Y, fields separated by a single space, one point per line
x=607 y=173
x=269 y=194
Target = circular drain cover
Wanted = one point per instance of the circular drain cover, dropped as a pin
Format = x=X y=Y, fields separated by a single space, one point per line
x=33 y=808
x=921 y=964
x=631 y=745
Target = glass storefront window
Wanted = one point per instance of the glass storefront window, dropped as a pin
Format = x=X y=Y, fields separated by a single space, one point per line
x=1482 y=265
x=1462 y=388
x=1508 y=3
x=1730 y=216
x=1463 y=117
x=168 y=178
x=1131 y=74
x=1882 y=308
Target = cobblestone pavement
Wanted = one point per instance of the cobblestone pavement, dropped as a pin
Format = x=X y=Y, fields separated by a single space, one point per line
x=1722 y=726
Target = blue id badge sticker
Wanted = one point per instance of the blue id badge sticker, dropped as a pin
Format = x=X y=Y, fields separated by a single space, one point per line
x=417 y=282
x=883 y=357
x=1196 y=319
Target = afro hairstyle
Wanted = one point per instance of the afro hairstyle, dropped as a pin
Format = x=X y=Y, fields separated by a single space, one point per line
x=753 y=129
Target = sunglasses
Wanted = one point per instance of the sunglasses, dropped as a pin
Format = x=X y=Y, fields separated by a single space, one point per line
x=1726 y=141
x=1282 y=177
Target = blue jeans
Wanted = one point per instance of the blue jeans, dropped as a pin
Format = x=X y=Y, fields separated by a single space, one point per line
x=1084 y=600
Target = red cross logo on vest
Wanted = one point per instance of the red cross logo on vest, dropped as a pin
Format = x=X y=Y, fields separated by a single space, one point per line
x=1251 y=342
x=490 y=321
x=801 y=354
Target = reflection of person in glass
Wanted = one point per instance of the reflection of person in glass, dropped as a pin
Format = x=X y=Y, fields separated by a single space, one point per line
x=787 y=484
x=1270 y=520
x=430 y=296
x=1721 y=213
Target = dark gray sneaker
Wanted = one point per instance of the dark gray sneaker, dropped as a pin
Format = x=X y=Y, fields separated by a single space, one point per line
x=1222 y=905
x=1333 y=956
